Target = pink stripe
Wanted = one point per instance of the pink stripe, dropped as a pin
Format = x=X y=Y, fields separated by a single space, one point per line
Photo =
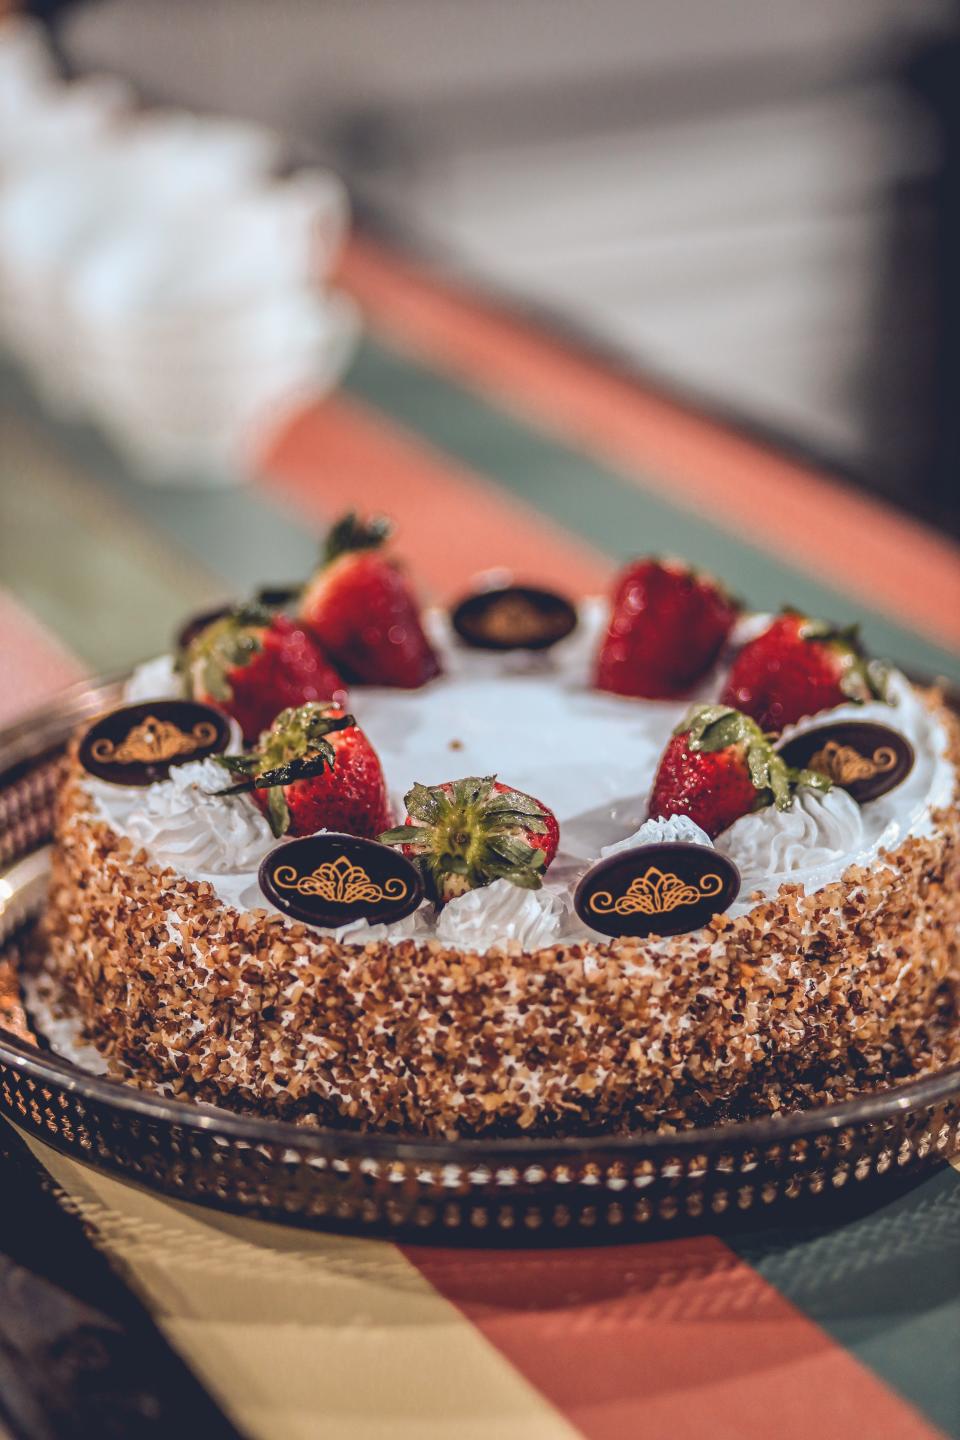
x=34 y=665
x=672 y=1341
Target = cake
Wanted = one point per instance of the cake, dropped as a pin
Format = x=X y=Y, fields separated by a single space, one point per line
x=493 y=999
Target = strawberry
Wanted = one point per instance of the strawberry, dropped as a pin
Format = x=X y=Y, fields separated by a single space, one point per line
x=719 y=765
x=798 y=667
x=360 y=607
x=314 y=769
x=467 y=833
x=667 y=626
x=253 y=664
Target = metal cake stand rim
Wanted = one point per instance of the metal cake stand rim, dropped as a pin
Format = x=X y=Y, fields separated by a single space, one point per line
x=876 y=1108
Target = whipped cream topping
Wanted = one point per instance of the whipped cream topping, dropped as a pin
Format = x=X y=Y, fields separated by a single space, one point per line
x=771 y=846
x=534 y=918
x=184 y=823
x=535 y=720
x=669 y=830
x=156 y=679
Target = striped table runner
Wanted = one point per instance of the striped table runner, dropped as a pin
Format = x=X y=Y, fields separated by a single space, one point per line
x=494 y=445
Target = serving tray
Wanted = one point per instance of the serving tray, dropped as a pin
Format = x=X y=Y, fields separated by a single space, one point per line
x=525 y=1191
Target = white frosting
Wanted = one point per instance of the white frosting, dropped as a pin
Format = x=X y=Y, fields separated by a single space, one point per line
x=184 y=823
x=498 y=913
x=748 y=627
x=771 y=846
x=154 y=680
x=535 y=721
x=671 y=830
x=418 y=926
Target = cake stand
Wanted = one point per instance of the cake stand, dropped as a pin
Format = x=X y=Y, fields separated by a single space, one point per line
x=495 y=1191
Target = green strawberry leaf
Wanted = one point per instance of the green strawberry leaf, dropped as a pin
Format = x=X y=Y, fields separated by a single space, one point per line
x=351 y=533
x=237 y=764
x=303 y=768
x=400 y=835
x=712 y=728
x=514 y=853
x=423 y=803
x=525 y=879
x=278 y=811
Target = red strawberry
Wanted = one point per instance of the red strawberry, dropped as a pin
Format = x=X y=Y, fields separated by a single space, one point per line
x=314 y=769
x=719 y=765
x=667 y=626
x=362 y=610
x=798 y=667
x=467 y=833
x=253 y=664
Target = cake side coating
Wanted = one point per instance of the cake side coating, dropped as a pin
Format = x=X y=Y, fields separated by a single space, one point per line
x=179 y=990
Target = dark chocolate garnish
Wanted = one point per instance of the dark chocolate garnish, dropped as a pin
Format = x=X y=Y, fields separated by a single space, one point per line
x=663 y=889
x=191 y=628
x=333 y=879
x=138 y=744
x=275 y=597
x=269 y=597
x=865 y=759
x=516 y=617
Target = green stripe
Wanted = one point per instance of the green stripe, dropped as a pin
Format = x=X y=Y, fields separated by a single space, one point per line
x=885 y=1286
x=231 y=531
x=86 y=567
x=602 y=504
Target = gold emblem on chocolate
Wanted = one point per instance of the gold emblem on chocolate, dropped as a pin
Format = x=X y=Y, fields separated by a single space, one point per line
x=655 y=893
x=332 y=880
x=340 y=882
x=514 y=617
x=863 y=758
x=154 y=741
x=661 y=889
x=139 y=744
x=843 y=764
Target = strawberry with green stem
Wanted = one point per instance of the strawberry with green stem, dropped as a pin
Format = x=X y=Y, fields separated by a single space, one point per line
x=253 y=663
x=361 y=608
x=798 y=667
x=467 y=833
x=314 y=769
x=668 y=623
x=719 y=765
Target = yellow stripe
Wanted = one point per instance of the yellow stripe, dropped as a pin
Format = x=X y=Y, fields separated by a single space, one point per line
x=304 y=1336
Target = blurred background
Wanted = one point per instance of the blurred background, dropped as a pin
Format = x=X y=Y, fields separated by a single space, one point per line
x=749 y=212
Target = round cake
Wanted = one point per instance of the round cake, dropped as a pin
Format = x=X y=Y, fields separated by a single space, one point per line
x=519 y=991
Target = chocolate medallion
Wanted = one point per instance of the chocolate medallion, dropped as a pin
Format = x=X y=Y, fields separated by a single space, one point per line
x=269 y=597
x=333 y=879
x=516 y=617
x=861 y=757
x=191 y=628
x=275 y=597
x=657 y=889
x=138 y=744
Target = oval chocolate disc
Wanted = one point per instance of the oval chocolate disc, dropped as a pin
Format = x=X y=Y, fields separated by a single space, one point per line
x=138 y=744
x=191 y=628
x=516 y=617
x=861 y=757
x=276 y=596
x=271 y=597
x=332 y=879
x=657 y=889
